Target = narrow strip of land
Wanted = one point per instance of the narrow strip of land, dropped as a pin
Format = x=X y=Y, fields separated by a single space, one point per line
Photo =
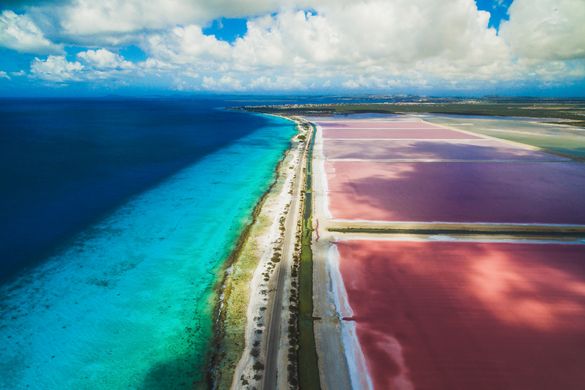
x=272 y=369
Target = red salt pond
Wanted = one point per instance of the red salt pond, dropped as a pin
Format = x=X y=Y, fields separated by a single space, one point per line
x=427 y=133
x=484 y=149
x=456 y=315
x=457 y=192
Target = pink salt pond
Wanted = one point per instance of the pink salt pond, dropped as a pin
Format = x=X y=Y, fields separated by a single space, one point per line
x=460 y=315
x=472 y=150
x=519 y=192
x=428 y=133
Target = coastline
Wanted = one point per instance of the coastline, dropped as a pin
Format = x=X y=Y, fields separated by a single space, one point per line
x=221 y=287
x=235 y=291
x=154 y=283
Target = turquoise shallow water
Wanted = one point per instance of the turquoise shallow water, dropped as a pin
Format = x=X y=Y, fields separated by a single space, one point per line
x=128 y=303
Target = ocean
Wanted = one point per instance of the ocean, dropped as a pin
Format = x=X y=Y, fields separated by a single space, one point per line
x=116 y=216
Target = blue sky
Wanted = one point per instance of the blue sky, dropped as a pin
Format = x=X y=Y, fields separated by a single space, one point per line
x=498 y=10
x=226 y=29
x=460 y=47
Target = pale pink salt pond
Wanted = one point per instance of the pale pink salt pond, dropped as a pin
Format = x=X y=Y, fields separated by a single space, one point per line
x=484 y=149
x=426 y=133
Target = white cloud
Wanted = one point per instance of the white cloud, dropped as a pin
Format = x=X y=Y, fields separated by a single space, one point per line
x=281 y=83
x=19 y=32
x=546 y=29
x=104 y=59
x=376 y=41
x=155 y=64
x=222 y=83
x=97 y=64
x=83 y=17
x=185 y=45
x=392 y=36
x=367 y=44
x=4 y=75
x=291 y=38
x=56 y=68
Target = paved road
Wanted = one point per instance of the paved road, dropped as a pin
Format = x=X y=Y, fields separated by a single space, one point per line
x=274 y=318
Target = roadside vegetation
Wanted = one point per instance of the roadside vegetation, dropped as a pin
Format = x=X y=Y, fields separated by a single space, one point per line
x=307 y=353
x=231 y=311
x=232 y=319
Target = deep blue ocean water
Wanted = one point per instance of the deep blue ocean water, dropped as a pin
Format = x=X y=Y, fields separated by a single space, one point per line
x=115 y=218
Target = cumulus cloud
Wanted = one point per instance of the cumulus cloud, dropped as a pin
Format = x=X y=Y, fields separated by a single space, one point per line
x=343 y=44
x=83 y=17
x=56 y=68
x=185 y=45
x=376 y=42
x=4 y=75
x=104 y=59
x=394 y=36
x=92 y=65
x=222 y=83
x=283 y=83
x=19 y=32
x=546 y=29
x=291 y=39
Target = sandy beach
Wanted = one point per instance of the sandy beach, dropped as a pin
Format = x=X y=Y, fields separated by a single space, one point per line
x=258 y=280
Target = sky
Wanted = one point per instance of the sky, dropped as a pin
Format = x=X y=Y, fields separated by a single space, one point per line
x=423 y=47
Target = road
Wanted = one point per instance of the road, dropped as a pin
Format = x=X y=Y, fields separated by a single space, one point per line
x=289 y=240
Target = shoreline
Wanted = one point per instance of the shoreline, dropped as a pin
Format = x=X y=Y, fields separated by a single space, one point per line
x=223 y=359
x=221 y=284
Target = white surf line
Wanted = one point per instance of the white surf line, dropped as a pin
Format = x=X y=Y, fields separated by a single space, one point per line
x=344 y=237
x=430 y=160
x=358 y=370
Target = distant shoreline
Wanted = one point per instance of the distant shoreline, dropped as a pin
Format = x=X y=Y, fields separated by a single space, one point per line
x=560 y=111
